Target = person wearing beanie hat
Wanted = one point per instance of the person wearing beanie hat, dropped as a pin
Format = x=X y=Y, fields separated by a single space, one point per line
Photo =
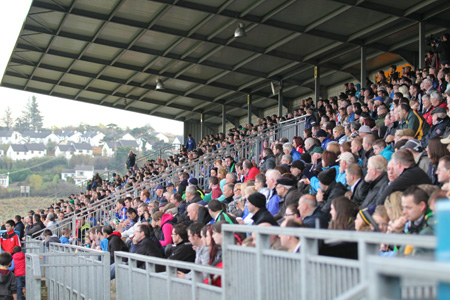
x=287 y=191
x=159 y=191
x=329 y=189
x=297 y=168
x=256 y=204
x=364 y=220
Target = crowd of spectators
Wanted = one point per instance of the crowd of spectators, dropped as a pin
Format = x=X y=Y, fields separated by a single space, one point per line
x=370 y=159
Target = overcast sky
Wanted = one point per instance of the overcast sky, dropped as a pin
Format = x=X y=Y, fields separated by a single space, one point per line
x=56 y=111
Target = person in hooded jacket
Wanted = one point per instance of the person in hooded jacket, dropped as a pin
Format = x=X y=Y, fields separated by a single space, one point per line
x=19 y=270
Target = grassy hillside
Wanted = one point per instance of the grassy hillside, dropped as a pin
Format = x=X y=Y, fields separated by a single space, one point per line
x=21 y=205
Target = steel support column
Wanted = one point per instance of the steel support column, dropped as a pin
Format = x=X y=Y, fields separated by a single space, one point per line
x=202 y=126
x=316 y=84
x=363 y=67
x=224 y=119
x=421 y=63
x=249 y=108
x=280 y=101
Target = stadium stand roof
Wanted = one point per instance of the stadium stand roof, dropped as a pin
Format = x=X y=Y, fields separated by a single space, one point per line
x=111 y=52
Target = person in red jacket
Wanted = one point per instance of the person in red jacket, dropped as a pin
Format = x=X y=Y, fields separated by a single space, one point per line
x=250 y=171
x=9 y=239
x=19 y=270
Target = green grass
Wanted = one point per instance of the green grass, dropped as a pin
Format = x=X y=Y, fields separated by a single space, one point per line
x=21 y=205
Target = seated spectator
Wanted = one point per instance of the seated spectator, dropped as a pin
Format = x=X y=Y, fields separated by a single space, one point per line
x=364 y=220
x=343 y=214
x=329 y=189
x=181 y=248
x=420 y=156
x=380 y=148
x=288 y=194
x=407 y=172
x=269 y=161
x=256 y=204
x=435 y=151
x=273 y=200
x=36 y=227
x=415 y=217
x=355 y=180
x=443 y=172
x=346 y=159
x=217 y=212
x=410 y=119
x=249 y=170
x=201 y=250
x=376 y=179
x=144 y=242
x=289 y=149
x=440 y=122
x=291 y=243
x=310 y=212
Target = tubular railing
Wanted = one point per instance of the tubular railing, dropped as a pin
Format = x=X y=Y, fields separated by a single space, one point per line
x=248 y=148
x=405 y=278
x=305 y=275
x=133 y=282
x=71 y=272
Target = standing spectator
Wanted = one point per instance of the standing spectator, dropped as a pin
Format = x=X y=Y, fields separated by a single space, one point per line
x=443 y=49
x=19 y=270
x=131 y=161
x=9 y=239
x=19 y=227
x=8 y=286
x=190 y=143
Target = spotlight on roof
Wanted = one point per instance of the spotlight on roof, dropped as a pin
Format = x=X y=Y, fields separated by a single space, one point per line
x=276 y=87
x=159 y=84
x=240 y=31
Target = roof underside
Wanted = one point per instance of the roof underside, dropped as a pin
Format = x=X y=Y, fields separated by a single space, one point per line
x=111 y=52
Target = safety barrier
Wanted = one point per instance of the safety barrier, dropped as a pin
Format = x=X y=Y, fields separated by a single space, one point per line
x=249 y=148
x=70 y=272
x=305 y=275
x=133 y=282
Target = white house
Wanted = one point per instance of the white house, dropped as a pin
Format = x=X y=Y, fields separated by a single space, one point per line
x=80 y=174
x=82 y=149
x=162 y=137
x=4 y=180
x=26 y=151
x=127 y=137
x=110 y=148
x=10 y=137
x=64 y=150
x=70 y=136
x=92 y=138
x=38 y=137
x=141 y=147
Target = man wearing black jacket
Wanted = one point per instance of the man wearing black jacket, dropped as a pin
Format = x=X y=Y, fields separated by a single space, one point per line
x=181 y=248
x=408 y=174
x=146 y=243
x=257 y=206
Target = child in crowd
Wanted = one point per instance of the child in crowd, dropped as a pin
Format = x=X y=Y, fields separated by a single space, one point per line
x=19 y=271
x=8 y=281
x=64 y=239
x=103 y=240
x=9 y=239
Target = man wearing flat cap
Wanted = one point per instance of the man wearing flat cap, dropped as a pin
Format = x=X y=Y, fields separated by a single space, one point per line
x=288 y=193
x=256 y=204
x=329 y=189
